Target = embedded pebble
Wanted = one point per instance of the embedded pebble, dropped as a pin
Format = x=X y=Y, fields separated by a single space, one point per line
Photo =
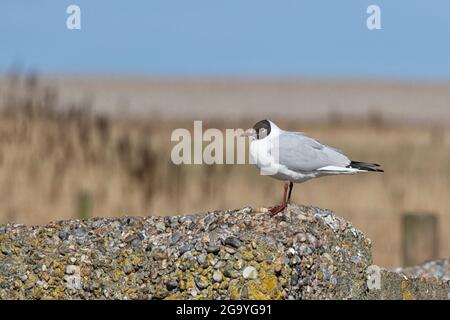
x=172 y=284
x=201 y=282
x=185 y=248
x=213 y=249
x=71 y=269
x=250 y=273
x=233 y=242
x=175 y=237
x=201 y=258
x=160 y=226
x=217 y=276
x=63 y=235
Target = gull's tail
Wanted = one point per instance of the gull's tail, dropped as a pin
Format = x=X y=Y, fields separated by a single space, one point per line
x=364 y=166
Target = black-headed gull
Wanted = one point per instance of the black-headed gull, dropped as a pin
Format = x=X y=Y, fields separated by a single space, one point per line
x=296 y=158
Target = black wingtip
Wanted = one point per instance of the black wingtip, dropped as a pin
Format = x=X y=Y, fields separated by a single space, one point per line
x=372 y=167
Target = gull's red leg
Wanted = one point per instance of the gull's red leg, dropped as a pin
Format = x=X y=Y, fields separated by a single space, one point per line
x=283 y=204
x=291 y=186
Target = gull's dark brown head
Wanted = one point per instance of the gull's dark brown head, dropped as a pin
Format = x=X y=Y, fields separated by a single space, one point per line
x=262 y=129
x=259 y=131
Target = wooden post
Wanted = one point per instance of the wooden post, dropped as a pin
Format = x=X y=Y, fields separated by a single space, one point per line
x=420 y=238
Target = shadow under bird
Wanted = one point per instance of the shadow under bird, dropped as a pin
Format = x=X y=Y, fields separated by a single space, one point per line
x=295 y=158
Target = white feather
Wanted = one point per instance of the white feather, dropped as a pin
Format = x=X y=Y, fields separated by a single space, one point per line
x=340 y=169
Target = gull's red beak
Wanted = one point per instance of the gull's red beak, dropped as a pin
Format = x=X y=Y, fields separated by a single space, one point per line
x=249 y=133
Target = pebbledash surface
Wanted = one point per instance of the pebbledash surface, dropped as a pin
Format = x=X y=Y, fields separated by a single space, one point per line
x=300 y=253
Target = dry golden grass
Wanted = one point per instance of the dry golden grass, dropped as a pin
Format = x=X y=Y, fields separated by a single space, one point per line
x=49 y=159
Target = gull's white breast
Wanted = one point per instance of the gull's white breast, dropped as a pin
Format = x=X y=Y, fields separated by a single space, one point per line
x=263 y=154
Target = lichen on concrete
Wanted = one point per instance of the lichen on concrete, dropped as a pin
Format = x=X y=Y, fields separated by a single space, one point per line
x=302 y=253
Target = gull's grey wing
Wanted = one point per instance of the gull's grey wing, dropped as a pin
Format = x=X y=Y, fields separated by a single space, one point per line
x=301 y=153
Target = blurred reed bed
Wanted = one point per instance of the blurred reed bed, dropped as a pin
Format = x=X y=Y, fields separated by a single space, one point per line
x=59 y=162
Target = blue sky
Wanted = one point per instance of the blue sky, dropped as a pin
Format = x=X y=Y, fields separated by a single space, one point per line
x=277 y=38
